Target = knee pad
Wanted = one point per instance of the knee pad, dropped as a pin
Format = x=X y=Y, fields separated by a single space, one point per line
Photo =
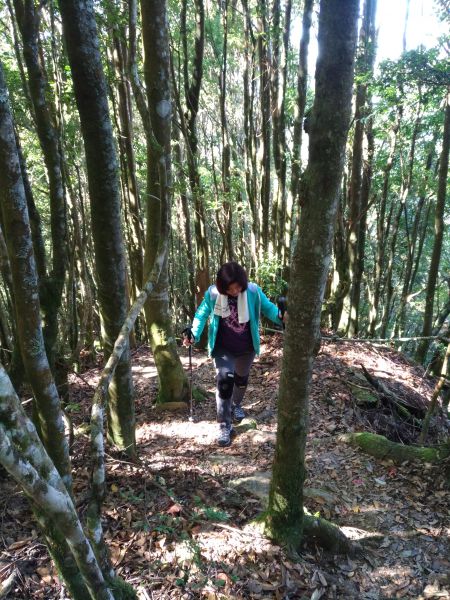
x=225 y=383
x=241 y=380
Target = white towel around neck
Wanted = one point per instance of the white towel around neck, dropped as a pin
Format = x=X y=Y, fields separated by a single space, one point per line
x=223 y=310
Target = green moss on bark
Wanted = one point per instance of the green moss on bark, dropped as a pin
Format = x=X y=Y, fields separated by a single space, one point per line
x=381 y=447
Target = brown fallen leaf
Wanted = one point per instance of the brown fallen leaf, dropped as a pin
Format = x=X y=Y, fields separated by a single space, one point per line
x=175 y=509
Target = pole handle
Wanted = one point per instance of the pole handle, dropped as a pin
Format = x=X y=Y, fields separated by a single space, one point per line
x=187 y=333
x=282 y=307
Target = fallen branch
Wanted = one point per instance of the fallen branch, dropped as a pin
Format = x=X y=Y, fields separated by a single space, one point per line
x=7 y=585
x=399 y=405
x=98 y=485
x=380 y=447
x=328 y=535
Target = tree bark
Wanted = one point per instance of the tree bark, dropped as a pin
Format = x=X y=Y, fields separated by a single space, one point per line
x=98 y=480
x=192 y=88
x=381 y=447
x=328 y=133
x=24 y=457
x=250 y=139
x=131 y=196
x=20 y=250
x=172 y=379
x=266 y=119
x=226 y=149
x=412 y=238
x=438 y=234
x=186 y=210
x=400 y=209
x=281 y=237
x=382 y=229
x=357 y=212
x=51 y=287
x=302 y=81
x=80 y=32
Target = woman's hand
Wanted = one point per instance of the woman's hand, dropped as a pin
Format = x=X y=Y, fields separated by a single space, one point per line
x=187 y=337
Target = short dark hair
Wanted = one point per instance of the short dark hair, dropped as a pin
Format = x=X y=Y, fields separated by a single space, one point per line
x=231 y=272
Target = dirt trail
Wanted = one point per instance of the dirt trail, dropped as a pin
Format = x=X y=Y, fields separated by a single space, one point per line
x=180 y=522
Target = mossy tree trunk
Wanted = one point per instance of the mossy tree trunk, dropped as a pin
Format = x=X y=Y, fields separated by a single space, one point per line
x=131 y=197
x=80 y=33
x=357 y=210
x=98 y=477
x=250 y=136
x=263 y=46
x=44 y=113
x=311 y=261
x=25 y=286
x=438 y=234
x=382 y=448
x=24 y=457
x=188 y=119
x=300 y=103
x=172 y=380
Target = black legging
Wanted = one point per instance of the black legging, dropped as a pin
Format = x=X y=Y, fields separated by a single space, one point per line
x=232 y=376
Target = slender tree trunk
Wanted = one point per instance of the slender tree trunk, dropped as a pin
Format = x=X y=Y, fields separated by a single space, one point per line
x=365 y=199
x=266 y=120
x=24 y=457
x=172 y=380
x=357 y=212
x=186 y=209
x=226 y=149
x=136 y=85
x=382 y=229
x=275 y=35
x=80 y=32
x=438 y=235
x=400 y=321
x=85 y=301
x=26 y=298
x=192 y=87
x=299 y=114
x=28 y=19
x=401 y=209
x=15 y=37
x=340 y=283
x=250 y=131
x=310 y=264
x=131 y=197
x=283 y=210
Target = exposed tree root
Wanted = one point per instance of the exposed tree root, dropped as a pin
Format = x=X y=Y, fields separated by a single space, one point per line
x=328 y=535
x=380 y=447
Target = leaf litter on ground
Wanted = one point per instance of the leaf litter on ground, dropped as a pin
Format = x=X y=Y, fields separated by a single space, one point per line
x=178 y=526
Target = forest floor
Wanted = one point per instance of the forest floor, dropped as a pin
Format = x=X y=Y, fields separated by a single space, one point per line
x=180 y=522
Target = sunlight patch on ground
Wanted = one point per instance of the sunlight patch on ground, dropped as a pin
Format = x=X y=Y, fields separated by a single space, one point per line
x=355 y=533
x=146 y=372
x=203 y=432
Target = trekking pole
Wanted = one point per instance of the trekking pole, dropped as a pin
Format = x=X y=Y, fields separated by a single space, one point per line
x=187 y=333
x=191 y=416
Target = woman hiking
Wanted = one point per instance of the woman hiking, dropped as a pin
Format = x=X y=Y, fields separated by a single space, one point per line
x=234 y=306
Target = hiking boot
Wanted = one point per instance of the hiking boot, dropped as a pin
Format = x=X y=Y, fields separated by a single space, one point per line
x=238 y=414
x=224 y=435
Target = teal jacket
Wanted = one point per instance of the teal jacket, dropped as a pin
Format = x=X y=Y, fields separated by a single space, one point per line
x=258 y=303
